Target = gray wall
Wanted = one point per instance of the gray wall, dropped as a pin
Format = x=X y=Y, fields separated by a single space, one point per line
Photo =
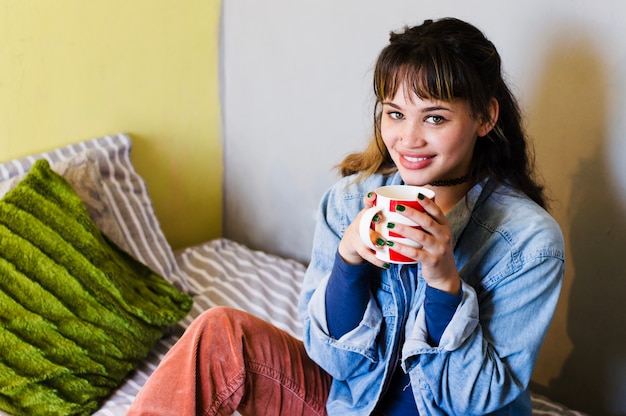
x=296 y=98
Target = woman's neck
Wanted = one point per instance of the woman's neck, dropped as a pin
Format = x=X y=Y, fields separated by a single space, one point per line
x=447 y=197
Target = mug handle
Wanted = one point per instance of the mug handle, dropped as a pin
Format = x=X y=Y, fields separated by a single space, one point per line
x=365 y=226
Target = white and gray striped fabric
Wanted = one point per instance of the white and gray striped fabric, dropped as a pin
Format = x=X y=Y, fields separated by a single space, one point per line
x=223 y=272
x=123 y=191
x=219 y=272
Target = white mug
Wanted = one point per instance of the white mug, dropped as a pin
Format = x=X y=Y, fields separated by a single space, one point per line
x=387 y=198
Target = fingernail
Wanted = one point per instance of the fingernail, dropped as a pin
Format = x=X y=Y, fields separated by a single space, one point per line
x=420 y=196
x=386 y=265
x=400 y=208
x=380 y=242
x=369 y=194
x=390 y=243
x=391 y=225
x=376 y=218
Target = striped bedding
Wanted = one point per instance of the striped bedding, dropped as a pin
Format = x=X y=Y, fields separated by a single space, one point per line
x=218 y=272
x=224 y=272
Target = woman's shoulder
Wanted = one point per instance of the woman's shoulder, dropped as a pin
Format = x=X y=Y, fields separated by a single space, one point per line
x=356 y=187
x=517 y=217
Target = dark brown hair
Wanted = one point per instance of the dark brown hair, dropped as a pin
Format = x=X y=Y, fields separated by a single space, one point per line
x=444 y=60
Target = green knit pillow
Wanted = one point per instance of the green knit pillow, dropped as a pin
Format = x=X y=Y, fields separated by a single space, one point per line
x=76 y=312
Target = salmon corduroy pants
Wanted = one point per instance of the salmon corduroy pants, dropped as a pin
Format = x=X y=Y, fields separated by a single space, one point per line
x=229 y=360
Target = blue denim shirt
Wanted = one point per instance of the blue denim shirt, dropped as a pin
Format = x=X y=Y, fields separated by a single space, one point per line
x=510 y=255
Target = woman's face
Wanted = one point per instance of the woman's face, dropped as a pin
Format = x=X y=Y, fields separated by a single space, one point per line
x=429 y=140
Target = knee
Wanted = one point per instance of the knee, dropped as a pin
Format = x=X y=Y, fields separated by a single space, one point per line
x=220 y=314
x=219 y=318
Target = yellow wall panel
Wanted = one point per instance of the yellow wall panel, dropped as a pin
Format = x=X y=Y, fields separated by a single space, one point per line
x=71 y=70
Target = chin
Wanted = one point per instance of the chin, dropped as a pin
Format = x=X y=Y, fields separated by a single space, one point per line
x=408 y=180
x=415 y=183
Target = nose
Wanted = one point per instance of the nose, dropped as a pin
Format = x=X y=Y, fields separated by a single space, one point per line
x=412 y=134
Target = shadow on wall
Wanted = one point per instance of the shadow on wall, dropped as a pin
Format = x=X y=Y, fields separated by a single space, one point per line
x=571 y=120
x=595 y=371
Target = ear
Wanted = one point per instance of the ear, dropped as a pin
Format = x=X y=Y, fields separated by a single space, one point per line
x=487 y=125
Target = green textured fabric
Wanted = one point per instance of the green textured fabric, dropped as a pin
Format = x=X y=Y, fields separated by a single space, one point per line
x=76 y=312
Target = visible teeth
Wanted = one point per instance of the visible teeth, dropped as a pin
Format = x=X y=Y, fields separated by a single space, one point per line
x=415 y=159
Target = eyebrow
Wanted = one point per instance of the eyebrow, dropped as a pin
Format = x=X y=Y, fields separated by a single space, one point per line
x=436 y=108
x=423 y=110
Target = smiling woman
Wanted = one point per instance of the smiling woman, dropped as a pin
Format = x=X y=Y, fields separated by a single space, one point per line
x=486 y=258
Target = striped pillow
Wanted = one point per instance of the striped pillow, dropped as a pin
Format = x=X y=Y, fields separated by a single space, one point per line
x=123 y=192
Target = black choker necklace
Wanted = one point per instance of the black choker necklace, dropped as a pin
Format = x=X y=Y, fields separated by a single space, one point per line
x=450 y=182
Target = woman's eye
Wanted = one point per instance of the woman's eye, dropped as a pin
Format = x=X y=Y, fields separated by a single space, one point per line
x=435 y=119
x=395 y=115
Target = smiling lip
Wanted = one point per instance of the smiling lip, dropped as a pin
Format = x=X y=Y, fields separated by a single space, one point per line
x=416 y=161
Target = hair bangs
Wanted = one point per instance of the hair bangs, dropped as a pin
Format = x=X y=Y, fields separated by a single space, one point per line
x=429 y=74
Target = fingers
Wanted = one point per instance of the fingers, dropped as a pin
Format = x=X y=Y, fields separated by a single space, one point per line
x=369 y=255
x=378 y=241
x=431 y=237
x=432 y=209
x=369 y=199
x=351 y=248
x=353 y=251
x=432 y=234
x=430 y=220
x=416 y=253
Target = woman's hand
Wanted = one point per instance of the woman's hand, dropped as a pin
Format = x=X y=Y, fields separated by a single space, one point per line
x=436 y=253
x=351 y=248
